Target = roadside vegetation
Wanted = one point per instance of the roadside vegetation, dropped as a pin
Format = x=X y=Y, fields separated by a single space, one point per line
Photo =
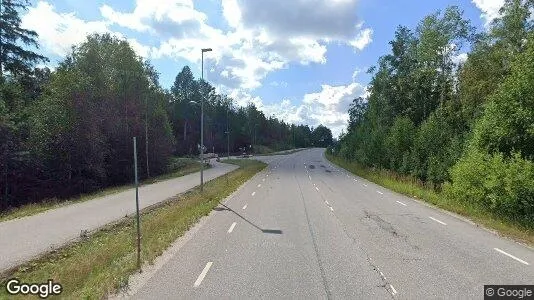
x=177 y=167
x=101 y=264
x=412 y=187
x=452 y=110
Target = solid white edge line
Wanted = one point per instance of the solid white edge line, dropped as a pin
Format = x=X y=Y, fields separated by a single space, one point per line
x=203 y=274
x=511 y=256
x=245 y=207
x=440 y=222
x=232 y=227
x=253 y=193
x=401 y=203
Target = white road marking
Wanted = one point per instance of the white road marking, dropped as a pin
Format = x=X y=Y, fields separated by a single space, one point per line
x=317 y=188
x=331 y=208
x=245 y=207
x=263 y=179
x=267 y=175
x=309 y=177
x=365 y=185
x=232 y=227
x=259 y=185
x=393 y=290
x=253 y=193
x=380 y=192
x=401 y=203
x=442 y=223
x=203 y=274
x=355 y=180
x=511 y=256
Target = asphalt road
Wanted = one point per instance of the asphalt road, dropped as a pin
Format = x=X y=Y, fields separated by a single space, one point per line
x=24 y=238
x=305 y=229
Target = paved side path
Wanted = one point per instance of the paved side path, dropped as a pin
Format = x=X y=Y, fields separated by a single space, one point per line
x=24 y=238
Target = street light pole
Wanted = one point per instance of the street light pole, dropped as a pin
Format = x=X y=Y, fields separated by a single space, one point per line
x=202 y=125
x=227 y=133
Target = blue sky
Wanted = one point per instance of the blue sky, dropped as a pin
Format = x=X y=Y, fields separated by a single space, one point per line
x=302 y=61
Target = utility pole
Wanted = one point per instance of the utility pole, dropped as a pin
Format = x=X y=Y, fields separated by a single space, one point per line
x=227 y=133
x=202 y=125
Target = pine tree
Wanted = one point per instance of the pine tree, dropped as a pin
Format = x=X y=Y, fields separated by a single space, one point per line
x=14 y=59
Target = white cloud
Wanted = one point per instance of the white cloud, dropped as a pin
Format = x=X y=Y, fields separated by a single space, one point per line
x=263 y=36
x=328 y=106
x=58 y=32
x=363 y=39
x=489 y=8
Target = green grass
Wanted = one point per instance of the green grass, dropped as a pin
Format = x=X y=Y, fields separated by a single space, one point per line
x=417 y=189
x=101 y=264
x=177 y=167
x=285 y=152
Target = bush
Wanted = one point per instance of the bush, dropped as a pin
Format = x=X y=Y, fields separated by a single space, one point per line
x=491 y=182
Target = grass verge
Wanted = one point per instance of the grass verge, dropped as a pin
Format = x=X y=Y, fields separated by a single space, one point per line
x=284 y=152
x=101 y=264
x=416 y=189
x=177 y=167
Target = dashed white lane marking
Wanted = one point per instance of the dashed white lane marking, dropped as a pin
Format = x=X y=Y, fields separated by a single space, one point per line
x=365 y=185
x=326 y=202
x=203 y=274
x=380 y=192
x=355 y=180
x=309 y=177
x=259 y=185
x=511 y=256
x=267 y=175
x=232 y=227
x=393 y=290
x=253 y=193
x=404 y=204
x=263 y=179
x=440 y=222
x=245 y=207
x=331 y=208
x=317 y=188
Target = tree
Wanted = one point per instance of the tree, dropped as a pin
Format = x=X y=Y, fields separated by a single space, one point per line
x=14 y=58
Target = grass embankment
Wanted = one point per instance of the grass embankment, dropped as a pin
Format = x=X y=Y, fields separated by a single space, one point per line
x=416 y=189
x=283 y=152
x=101 y=264
x=177 y=167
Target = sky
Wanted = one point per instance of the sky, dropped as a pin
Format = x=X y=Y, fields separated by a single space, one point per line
x=303 y=61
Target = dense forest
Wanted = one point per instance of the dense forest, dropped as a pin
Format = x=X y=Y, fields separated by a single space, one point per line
x=465 y=128
x=69 y=131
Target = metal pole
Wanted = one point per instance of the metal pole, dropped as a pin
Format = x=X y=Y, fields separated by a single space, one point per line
x=137 y=205
x=146 y=137
x=227 y=134
x=202 y=130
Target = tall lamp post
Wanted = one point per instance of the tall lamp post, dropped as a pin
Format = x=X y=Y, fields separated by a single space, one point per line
x=202 y=126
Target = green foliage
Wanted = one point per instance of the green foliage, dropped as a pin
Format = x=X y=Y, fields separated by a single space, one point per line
x=13 y=57
x=507 y=124
x=494 y=183
x=424 y=110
